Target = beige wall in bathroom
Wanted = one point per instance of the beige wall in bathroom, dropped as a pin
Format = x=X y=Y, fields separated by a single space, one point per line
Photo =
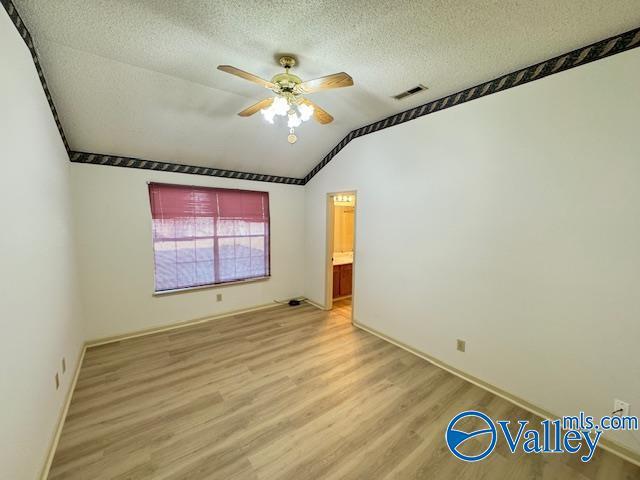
x=343 y=231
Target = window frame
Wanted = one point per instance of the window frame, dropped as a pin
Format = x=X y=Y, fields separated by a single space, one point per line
x=267 y=235
x=160 y=293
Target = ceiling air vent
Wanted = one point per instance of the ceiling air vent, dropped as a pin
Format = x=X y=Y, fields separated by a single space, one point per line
x=411 y=91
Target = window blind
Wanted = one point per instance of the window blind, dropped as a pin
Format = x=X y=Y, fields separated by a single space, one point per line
x=205 y=236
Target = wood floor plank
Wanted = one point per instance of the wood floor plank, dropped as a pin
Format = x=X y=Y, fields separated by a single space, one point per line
x=285 y=393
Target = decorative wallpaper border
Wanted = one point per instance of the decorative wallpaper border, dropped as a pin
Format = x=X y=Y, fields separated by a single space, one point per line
x=596 y=51
x=576 y=58
x=128 y=162
x=26 y=37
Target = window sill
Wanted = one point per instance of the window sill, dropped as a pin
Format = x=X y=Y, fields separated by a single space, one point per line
x=213 y=285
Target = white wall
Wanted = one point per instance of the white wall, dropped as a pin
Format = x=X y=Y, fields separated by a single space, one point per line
x=512 y=222
x=40 y=319
x=116 y=254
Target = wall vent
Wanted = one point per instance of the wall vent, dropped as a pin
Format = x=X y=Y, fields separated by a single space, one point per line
x=411 y=91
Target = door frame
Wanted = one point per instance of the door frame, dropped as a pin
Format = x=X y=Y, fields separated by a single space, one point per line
x=330 y=227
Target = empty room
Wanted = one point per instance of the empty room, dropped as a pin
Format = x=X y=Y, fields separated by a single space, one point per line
x=320 y=240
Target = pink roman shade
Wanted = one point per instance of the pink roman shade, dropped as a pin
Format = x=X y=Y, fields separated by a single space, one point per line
x=205 y=236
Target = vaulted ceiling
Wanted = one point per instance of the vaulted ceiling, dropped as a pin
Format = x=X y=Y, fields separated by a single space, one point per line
x=139 y=78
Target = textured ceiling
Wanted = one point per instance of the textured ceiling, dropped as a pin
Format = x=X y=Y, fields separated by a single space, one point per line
x=138 y=78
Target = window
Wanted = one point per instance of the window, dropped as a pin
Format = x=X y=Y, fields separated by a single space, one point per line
x=206 y=236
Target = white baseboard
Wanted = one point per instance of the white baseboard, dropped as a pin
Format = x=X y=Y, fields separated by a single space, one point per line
x=62 y=416
x=606 y=444
x=103 y=341
x=174 y=326
x=341 y=298
x=315 y=304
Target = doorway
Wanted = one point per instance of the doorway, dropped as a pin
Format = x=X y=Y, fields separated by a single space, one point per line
x=341 y=227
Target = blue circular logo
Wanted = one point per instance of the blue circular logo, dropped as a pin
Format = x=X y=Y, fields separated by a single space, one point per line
x=455 y=438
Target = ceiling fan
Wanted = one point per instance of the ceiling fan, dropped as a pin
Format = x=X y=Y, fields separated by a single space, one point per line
x=289 y=100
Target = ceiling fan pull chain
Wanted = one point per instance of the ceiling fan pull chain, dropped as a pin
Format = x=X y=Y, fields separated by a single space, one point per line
x=292 y=138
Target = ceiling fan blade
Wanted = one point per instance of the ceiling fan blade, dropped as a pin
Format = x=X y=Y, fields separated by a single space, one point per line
x=337 y=80
x=321 y=116
x=256 y=107
x=246 y=75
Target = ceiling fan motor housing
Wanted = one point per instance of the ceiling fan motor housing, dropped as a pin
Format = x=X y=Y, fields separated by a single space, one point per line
x=287 y=61
x=285 y=82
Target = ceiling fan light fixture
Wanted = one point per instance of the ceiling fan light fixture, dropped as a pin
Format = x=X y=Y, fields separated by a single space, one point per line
x=294 y=120
x=306 y=111
x=268 y=115
x=279 y=106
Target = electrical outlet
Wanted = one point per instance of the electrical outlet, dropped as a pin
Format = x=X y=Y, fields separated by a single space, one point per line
x=219 y=297
x=57 y=381
x=64 y=365
x=620 y=408
x=461 y=345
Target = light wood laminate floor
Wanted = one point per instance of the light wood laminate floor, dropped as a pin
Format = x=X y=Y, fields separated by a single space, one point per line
x=286 y=393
